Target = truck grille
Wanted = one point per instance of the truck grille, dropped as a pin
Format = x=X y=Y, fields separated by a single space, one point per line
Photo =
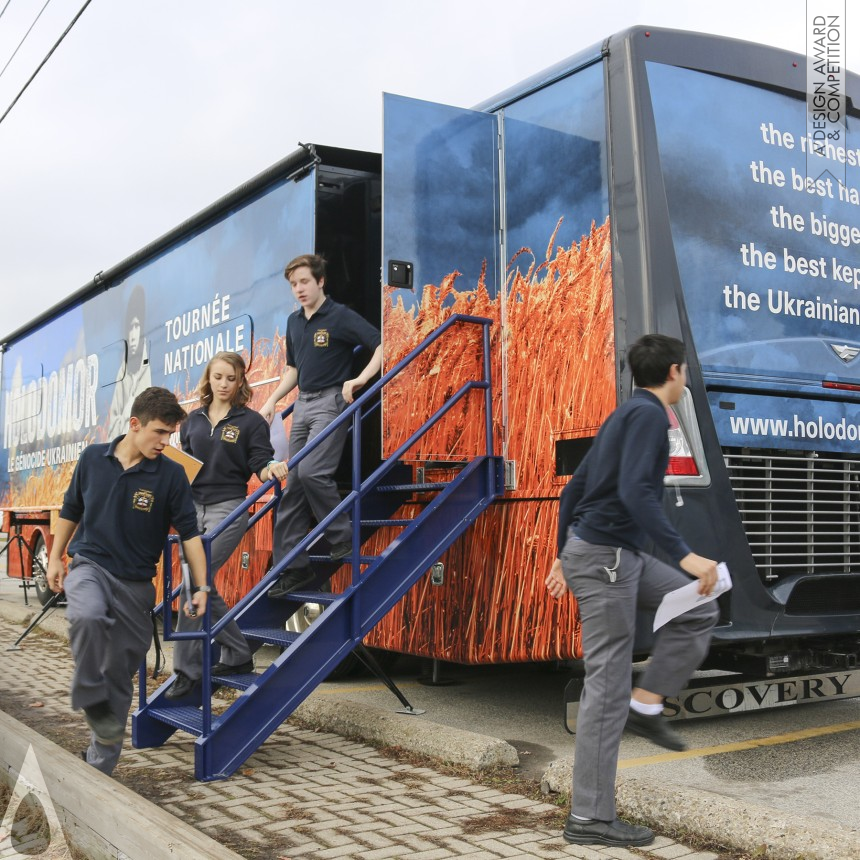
x=801 y=512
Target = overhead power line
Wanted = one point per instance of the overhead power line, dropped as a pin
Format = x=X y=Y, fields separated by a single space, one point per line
x=47 y=56
x=24 y=39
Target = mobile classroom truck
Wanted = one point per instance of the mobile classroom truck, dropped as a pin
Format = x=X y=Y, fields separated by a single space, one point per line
x=661 y=181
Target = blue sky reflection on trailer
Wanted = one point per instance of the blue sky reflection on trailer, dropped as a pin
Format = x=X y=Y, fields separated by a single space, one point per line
x=220 y=288
x=717 y=208
x=762 y=268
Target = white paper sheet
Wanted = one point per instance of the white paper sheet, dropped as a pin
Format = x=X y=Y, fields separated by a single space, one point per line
x=687 y=596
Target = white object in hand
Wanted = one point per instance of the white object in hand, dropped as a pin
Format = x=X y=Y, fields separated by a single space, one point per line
x=680 y=600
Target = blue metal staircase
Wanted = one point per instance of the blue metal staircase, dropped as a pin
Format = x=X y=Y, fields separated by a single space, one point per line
x=226 y=740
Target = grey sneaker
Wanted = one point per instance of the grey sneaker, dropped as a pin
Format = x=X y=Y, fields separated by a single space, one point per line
x=106 y=727
x=596 y=832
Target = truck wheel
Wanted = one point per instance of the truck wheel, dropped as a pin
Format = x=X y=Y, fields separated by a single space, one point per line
x=40 y=581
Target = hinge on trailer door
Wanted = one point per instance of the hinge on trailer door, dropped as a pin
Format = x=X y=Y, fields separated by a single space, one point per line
x=437 y=573
x=312 y=151
x=510 y=474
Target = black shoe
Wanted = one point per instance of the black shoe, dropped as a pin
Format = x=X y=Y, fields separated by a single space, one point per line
x=292 y=579
x=84 y=755
x=106 y=727
x=616 y=832
x=340 y=550
x=227 y=669
x=655 y=729
x=183 y=686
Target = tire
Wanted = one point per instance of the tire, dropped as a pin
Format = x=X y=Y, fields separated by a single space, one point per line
x=40 y=582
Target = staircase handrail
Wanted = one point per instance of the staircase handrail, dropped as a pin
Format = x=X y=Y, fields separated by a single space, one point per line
x=266 y=581
x=353 y=498
x=388 y=376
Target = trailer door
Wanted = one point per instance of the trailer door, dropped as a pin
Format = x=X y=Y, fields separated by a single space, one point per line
x=441 y=255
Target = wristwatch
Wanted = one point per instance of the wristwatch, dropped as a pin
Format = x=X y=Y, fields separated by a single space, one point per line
x=204 y=588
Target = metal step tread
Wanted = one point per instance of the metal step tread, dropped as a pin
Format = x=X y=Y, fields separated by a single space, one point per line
x=272 y=635
x=363 y=559
x=237 y=682
x=412 y=488
x=185 y=717
x=305 y=596
x=380 y=523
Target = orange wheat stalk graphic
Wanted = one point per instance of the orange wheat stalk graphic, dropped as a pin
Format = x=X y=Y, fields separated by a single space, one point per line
x=44 y=489
x=560 y=384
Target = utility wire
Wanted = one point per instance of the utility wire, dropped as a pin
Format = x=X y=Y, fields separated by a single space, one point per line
x=5 y=8
x=25 y=36
x=47 y=57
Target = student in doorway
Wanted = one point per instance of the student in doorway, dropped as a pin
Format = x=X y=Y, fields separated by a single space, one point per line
x=609 y=511
x=232 y=440
x=116 y=514
x=321 y=337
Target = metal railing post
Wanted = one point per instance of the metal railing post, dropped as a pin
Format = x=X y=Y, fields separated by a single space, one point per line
x=488 y=391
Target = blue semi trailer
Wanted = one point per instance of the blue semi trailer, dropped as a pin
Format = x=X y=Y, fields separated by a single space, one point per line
x=658 y=181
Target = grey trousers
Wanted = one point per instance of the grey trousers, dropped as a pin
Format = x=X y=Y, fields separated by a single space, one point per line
x=188 y=653
x=311 y=488
x=110 y=631
x=609 y=584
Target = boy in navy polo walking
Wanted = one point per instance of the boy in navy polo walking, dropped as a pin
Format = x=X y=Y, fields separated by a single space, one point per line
x=122 y=500
x=321 y=337
x=609 y=511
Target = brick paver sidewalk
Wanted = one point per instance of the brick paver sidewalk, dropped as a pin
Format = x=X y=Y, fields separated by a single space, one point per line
x=308 y=794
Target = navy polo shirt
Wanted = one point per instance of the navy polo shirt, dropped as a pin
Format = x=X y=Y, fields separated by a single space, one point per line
x=615 y=497
x=320 y=348
x=124 y=516
x=234 y=449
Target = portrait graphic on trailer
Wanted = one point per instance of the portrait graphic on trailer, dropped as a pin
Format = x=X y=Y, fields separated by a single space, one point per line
x=134 y=374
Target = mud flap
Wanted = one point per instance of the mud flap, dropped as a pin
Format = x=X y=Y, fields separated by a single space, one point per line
x=718 y=696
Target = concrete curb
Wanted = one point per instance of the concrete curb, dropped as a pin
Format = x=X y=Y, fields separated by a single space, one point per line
x=99 y=816
x=759 y=830
x=412 y=733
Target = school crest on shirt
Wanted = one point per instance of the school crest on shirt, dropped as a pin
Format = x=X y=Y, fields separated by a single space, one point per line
x=229 y=433
x=143 y=500
x=321 y=337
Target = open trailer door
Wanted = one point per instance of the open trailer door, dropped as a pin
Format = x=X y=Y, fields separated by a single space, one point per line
x=441 y=255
